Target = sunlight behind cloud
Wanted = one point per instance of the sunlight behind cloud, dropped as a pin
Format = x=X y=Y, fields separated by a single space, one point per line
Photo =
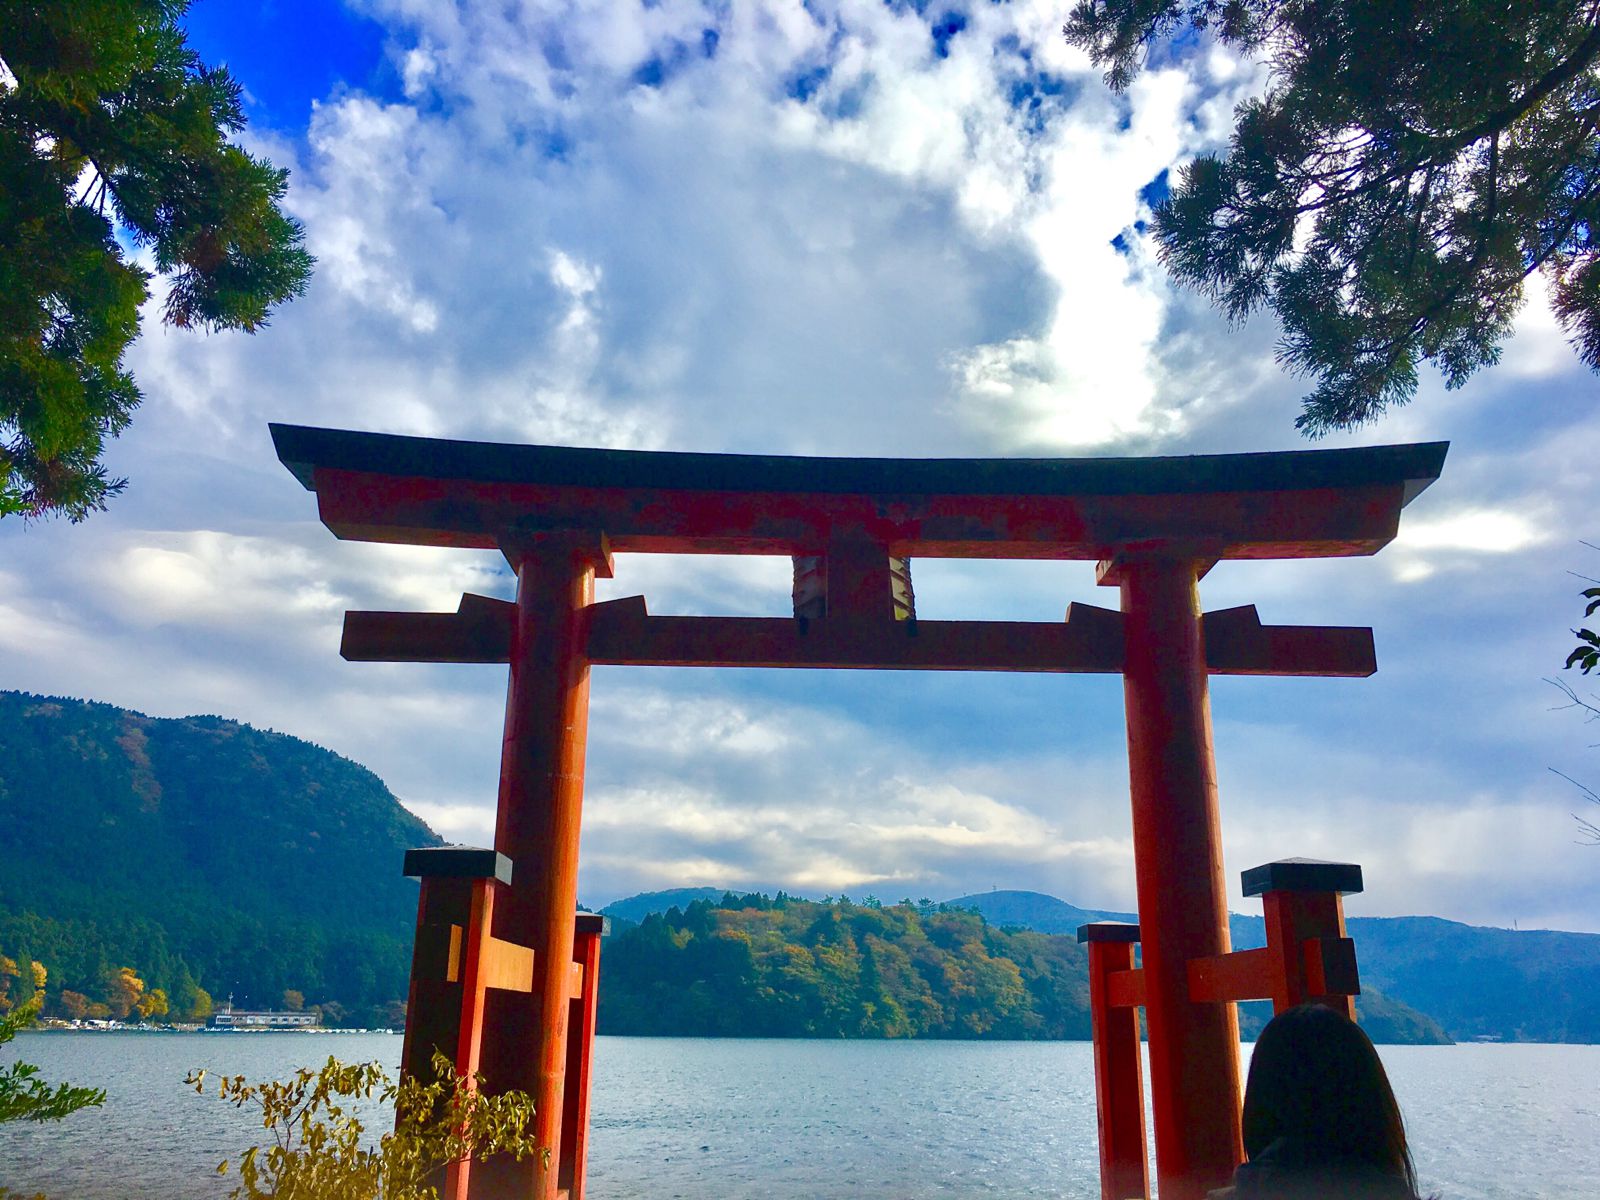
x=1480 y=531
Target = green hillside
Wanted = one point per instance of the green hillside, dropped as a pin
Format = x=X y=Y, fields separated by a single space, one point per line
x=202 y=853
x=758 y=967
x=1530 y=985
x=633 y=909
x=753 y=966
x=212 y=857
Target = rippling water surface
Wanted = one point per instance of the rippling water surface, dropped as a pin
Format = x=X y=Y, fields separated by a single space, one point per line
x=792 y=1120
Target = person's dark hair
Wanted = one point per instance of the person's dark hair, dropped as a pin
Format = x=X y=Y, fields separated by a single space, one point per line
x=1315 y=1078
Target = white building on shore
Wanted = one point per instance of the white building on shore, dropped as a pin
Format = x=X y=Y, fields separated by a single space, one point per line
x=228 y=1017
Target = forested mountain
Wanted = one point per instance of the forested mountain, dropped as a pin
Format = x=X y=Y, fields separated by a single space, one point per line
x=205 y=854
x=1531 y=985
x=1035 y=910
x=633 y=909
x=758 y=967
x=213 y=858
x=1528 y=985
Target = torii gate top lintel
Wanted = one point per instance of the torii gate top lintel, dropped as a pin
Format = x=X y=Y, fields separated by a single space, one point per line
x=1283 y=504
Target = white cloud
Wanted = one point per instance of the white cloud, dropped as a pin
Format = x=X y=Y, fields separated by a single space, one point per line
x=584 y=224
x=24 y=631
x=459 y=824
x=1462 y=539
x=1478 y=531
x=206 y=576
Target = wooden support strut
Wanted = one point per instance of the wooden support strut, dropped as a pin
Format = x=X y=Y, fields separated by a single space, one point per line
x=456 y=962
x=572 y=1169
x=444 y=1009
x=1116 y=988
x=1308 y=956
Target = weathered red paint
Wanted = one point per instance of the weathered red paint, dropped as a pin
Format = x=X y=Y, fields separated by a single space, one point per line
x=444 y=1007
x=623 y=633
x=1241 y=975
x=537 y=826
x=1315 y=958
x=573 y=1171
x=1118 y=1075
x=469 y=1041
x=1294 y=967
x=451 y=979
x=433 y=1002
x=1293 y=523
x=1177 y=846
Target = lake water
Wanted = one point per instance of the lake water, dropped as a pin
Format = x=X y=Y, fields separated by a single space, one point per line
x=794 y=1120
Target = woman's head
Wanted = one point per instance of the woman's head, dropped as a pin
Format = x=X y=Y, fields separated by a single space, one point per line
x=1315 y=1077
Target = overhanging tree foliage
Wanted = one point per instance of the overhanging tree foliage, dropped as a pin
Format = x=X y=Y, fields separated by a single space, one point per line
x=113 y=133
x=1585 y=656
x=1411 y=164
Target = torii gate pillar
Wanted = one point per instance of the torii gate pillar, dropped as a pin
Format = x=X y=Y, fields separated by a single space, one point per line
x=1177 y=850
x=537 y=825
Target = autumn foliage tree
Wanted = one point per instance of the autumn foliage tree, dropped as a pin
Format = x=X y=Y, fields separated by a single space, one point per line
x=194 y=1003
x=1410 y=165
x=124 y=991
x=152 y=1004
x=9 y=972
x=321 y=1150
x=113 y=131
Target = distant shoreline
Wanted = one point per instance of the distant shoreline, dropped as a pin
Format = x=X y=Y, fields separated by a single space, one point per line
x=64 y=1027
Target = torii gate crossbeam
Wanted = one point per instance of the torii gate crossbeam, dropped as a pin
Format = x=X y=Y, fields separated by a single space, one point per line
x=1154 y=526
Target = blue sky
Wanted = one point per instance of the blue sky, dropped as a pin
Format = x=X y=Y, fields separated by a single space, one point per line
x=832 y=227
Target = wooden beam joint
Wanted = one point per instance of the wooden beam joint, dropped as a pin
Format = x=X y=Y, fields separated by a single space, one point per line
x=479 y=631
x=1237 y=643
x=1125 y=989
x=506 y=965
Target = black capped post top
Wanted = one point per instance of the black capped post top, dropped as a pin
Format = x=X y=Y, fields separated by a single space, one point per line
x=1302 y=875
x=1108 y=931
x=589 y=922
x=458 y=862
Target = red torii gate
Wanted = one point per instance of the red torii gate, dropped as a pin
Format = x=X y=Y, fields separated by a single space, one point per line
x=1154 y=526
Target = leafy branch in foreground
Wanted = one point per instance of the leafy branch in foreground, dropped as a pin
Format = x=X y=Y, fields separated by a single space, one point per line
x=23 y=1095
x=1410 y=165
x=320 y=1149
x=1585 y=656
